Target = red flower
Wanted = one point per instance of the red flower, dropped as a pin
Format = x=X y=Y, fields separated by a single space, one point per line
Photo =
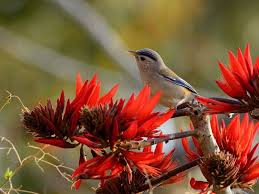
x=241 y=81
x=166 y=164
x=120 y=184
x=57 y=126
x=236 y=140
x=116 y=125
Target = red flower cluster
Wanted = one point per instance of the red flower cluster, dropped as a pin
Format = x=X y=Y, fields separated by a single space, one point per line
x=235 y=139
x=108 y=128
x=57 y=126
x=241 y=81
x=120 y=184
x=123 y=124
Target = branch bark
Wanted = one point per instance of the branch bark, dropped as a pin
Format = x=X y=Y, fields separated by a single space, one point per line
x=201 y=123
x=207 y=142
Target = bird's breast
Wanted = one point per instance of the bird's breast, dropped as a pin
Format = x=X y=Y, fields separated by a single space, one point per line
x=171 y=93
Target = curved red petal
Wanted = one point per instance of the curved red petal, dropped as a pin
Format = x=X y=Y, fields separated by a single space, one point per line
x=94 y=95
x=190 y=154
x=227 y=89
x=150 y=105
x=252 y=173
x=55 y=142
x=199 y=185
x=232 y=81
x=159 y=148
x=235 y=65
x=131 y=131
x=249 y=63
x=86 y=141
x=79 y=83
x=107 y=97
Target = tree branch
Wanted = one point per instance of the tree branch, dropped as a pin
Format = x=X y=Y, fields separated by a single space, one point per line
x=205 y=137
x=141 y=144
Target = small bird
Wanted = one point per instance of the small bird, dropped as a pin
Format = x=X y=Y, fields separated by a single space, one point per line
x=154 y=72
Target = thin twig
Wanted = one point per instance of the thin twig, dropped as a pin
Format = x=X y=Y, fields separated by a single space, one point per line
x=12 y=147
x=24 y=161
x=8 y=101
x=18 y=190
x=129 y=145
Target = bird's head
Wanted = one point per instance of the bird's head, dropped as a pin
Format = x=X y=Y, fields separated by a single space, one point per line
x=147 y=58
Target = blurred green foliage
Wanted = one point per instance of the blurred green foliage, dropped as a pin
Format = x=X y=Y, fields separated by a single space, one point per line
x=191 y=35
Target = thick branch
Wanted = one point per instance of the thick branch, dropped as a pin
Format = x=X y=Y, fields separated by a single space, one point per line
x=201 y=123
x=207 y=142
x=157 y=181
x=182 y=112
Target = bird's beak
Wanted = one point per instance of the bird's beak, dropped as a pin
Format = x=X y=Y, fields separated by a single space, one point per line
x=134 y=53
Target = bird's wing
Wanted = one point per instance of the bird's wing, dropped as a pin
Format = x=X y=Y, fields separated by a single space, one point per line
x=177 y=80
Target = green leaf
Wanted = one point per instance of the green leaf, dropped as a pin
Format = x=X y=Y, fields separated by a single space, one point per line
x=8 y=174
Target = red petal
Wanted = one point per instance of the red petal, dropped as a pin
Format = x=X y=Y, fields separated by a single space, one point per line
x=107 y=164
x=249 y=63
x=128 y=104
x=91 y=162
x=86 y=141
x=137 y=104
x=251 y=174
x=227 y=89
x=107 y=98
x=215 y=128
x=55 y=142
x=147 y=149
x=163 y=118
x=150 y=105
x=215 y=106
x=159 y=148
x=131 y=131
x=190 y=154
x=115 y=133
x=94 y=96
x=232 y=81
x=79 y=83
x=235 y=65
x=199 y=185
x=146 y=128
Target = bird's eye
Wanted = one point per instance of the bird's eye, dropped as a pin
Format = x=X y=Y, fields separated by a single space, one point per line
x=142 y=58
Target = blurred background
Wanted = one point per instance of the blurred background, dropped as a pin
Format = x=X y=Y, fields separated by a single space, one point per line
x=44 y=43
